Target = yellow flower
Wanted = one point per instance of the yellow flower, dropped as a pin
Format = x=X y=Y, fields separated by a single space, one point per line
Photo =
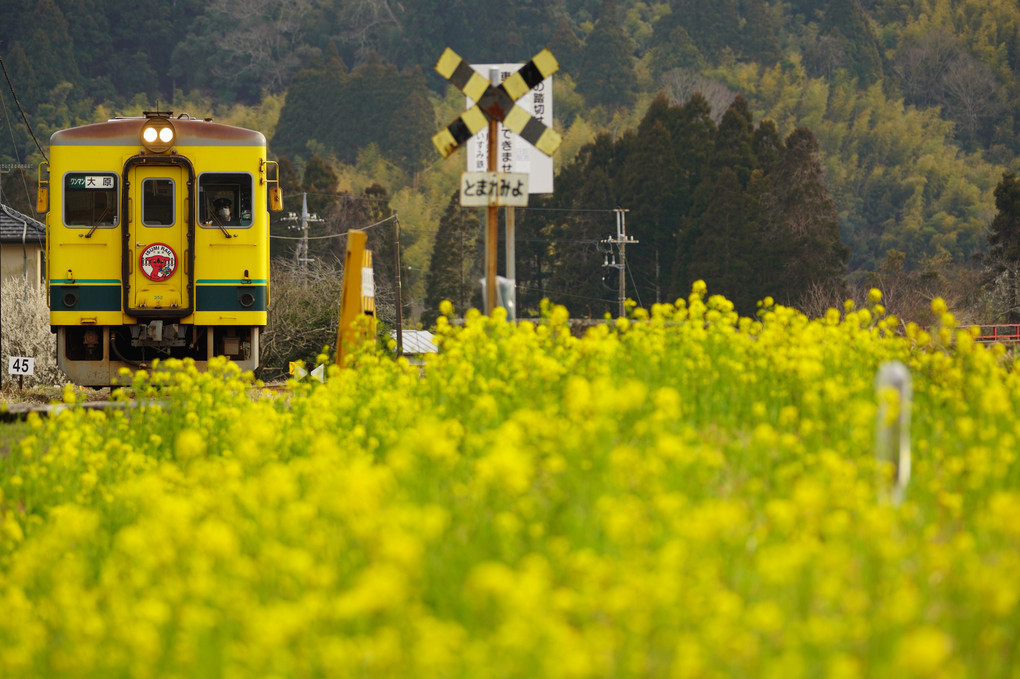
x=924 y=652
x=189 y=445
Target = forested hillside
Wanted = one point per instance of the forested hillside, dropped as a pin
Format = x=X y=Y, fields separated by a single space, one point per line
x=899 y=117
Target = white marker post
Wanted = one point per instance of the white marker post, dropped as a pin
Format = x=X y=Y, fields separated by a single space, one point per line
x=892 y=430
x=20 y=366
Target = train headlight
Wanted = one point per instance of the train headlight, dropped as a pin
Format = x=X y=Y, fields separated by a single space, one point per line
x=158 y=135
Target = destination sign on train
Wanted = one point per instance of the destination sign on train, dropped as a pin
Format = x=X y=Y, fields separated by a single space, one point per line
x=90 y=181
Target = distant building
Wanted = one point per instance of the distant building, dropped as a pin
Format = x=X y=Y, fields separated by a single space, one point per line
x=417 y=343
x=22 y=243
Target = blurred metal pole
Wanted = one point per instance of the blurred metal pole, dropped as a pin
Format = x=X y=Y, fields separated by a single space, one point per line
x=511 y=254
x=892 y=436
x=400 y=302
x=492 y=216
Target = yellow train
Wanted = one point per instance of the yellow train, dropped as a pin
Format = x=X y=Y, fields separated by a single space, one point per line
x=157 y=242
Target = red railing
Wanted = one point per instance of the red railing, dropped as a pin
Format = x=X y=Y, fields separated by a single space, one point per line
x=1002 y=333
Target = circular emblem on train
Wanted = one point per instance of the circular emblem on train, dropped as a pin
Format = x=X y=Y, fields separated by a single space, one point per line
x=158 y=262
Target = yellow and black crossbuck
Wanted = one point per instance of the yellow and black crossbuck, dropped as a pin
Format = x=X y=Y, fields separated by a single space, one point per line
x=496 y=102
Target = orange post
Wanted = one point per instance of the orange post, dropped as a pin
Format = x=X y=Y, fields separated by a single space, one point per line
x=352 y=298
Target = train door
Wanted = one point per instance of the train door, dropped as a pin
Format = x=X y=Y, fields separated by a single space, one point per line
x=157 y=241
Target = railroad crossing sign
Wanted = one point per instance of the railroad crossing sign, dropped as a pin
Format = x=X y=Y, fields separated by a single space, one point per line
x=496 y=103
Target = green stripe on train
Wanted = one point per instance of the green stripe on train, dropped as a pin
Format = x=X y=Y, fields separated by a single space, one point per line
x=85 y=297
x=230 y=298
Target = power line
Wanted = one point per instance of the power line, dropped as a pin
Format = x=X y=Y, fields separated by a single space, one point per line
x=23 y=116
x=560 y=293
x=345 y=196
x=568 y=209
x=337 y=235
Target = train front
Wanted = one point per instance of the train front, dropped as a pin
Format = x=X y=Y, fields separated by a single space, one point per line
x=158 y=243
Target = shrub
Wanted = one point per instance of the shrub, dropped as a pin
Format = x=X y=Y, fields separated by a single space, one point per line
x=303 y=314
x=25 y=330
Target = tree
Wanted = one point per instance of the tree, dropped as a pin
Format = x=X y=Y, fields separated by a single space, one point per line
x=455 y=267
x=671 y=46
x=606 y=75
x=734 y=141
x=280 y=223
x=718 y=242
x=714 y=26
x=309 y=114
x=320 y=183
x=244 y=48
x=1004 y=235
x=846 y=22
x=566 y=46
x=1004 y=248
x=800 y=239
x=582 y=205
x=759 y=34
x=655 y=185
x=344 y=112
x=936 y=70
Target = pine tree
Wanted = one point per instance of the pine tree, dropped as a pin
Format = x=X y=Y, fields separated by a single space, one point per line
x=650 y=189
x=1004 y=235
x=846 y=22
x=565 y=45
x=718 y=243
x=456 y=263
x=671 y=46
x=734 y=140
x=1004 y=250
x=714 y=26
x=800 y=240
x=758 y=33
x=575 y=254
x=320 y=182
x=606 y=75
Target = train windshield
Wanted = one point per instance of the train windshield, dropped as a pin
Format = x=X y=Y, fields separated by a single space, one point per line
x=224 y=199
x=90 y=199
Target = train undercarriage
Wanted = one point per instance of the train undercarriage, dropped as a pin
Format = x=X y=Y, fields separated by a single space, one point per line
x=93 y=355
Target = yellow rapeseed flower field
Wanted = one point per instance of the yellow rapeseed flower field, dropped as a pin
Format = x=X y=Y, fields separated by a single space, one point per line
x=682 y=493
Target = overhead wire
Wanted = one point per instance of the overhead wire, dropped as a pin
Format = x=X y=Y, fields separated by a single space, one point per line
x=14 y=146
x=23 y=116
x=338 y=235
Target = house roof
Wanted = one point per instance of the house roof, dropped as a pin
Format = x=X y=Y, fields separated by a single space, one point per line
x=16 y=227
x=416 y=341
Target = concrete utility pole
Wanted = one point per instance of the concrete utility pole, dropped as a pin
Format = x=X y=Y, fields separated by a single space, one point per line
x=301 y=251
x=621 y=242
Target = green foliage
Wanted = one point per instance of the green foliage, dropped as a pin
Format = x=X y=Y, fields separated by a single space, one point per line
x=799 y=240
x=706 y=206
x=853 y=44
x=896 y=179
x=456 y=264
x=915 y=104
x=344 y=112
x=606 y=74
x=1004 y=237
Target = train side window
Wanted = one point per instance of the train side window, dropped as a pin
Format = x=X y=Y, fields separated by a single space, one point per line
x=158 y=202
x=224 y=199
x=90 y=199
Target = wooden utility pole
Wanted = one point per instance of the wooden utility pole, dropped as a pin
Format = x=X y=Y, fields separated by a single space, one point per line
x=494 y=105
